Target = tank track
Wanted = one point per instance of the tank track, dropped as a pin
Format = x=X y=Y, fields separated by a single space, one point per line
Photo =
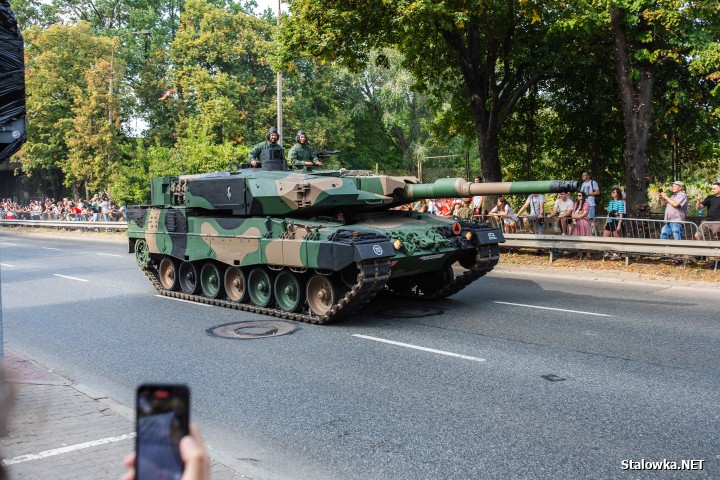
x=483 y=265
x=372 y=277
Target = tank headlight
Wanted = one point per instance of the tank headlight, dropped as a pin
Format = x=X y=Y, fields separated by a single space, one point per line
x=397 y=244
x=457 y=228
x=469 y=235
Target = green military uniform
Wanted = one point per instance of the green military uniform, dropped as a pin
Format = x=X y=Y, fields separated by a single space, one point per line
x=299 y=154
x=266 y=145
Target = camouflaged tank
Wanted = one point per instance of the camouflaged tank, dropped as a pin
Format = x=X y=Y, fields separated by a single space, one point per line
x=310 y=246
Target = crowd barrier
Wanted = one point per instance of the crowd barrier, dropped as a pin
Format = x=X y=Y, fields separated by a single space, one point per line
x=641 y=237
x=67 y=224
x=630 y=227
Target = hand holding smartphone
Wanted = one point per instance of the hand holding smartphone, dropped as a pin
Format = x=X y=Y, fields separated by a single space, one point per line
x=163 y=418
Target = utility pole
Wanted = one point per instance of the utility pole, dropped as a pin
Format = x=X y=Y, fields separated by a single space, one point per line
x=279 y=91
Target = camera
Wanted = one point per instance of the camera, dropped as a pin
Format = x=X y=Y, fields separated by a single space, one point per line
x=660 y=190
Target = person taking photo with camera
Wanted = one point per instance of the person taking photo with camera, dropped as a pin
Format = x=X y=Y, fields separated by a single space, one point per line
x=675 y=211
x=616 y=213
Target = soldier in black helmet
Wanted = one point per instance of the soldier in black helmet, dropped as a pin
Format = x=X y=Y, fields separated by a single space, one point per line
x=270 y=143
x=301 y=153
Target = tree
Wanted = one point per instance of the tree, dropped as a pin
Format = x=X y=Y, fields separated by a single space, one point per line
x=221 y=72
x=58 y=60
x=93 y=140
x=649 y=35
x=487 y=54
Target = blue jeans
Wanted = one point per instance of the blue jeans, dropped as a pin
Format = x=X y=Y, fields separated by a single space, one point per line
x=674 y=228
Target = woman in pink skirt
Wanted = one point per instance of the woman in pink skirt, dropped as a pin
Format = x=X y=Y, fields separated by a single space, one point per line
x=580 y=216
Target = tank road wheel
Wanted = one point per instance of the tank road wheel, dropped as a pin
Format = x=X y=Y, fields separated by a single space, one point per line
x=235 y=284
x=189 y=278
x=211 y=280
x=288 y=293
x=168 y=273
x=321 y=294
x=142 y=254
x=260 y=287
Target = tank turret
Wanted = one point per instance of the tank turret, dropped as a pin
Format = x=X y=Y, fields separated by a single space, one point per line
x=278 y=193
x=311 y=245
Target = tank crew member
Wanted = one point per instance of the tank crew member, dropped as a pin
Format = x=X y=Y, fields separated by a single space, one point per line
x=269 y=144
x=301 y=153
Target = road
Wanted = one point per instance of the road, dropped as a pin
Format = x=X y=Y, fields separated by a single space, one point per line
x=518 y=376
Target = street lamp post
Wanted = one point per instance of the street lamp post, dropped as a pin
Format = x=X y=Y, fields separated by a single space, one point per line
x=279 y=91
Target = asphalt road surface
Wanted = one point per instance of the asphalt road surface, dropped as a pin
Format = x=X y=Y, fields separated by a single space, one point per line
x=518 y=376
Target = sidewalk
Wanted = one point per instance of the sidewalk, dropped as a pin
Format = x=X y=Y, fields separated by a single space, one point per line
x=55 y=431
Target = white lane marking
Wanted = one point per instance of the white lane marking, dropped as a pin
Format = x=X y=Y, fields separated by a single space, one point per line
x=181 y=300
x=71 y=278
x=556 y=309
x=6 y=265
x=51 y=248
x=424 y=349
x=11 y=244
x=109 y=255
x=69 y=448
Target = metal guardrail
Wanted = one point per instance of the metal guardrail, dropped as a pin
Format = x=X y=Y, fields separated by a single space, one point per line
x=67 y=224
x=626 y=246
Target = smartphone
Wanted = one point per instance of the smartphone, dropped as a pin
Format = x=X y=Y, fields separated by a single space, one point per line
x=163 y=418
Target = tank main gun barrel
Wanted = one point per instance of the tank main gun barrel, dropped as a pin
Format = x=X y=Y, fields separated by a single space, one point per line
x=459 y=188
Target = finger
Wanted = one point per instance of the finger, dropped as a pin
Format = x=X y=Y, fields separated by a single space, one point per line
x=129 y=460
x=192 y=451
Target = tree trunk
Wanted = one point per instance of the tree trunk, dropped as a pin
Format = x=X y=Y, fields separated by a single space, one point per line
x=636 y=98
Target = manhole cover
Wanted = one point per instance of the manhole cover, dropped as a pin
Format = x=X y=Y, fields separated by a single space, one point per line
x=247 y=330
x=410 y=312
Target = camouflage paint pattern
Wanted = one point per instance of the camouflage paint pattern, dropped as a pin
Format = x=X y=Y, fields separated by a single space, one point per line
x=314 y=220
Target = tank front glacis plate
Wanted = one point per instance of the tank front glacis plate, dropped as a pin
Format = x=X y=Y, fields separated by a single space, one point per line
x=428 y=242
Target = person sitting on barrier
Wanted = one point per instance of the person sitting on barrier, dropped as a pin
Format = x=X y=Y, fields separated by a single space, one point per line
x=675 y=211
x=504 y=210
x=563 y=209
x=710 y=231
x=444 y=207
x=580 y=216
x=462 y=211
x=616 y=213
x=477 y=201
x=536 y=202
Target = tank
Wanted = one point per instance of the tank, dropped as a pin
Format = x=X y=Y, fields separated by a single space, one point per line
x=307 y=245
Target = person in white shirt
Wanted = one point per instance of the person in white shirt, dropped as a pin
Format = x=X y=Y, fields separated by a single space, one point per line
x=536 y=202
x=591 y=189
x=563 y=209
x=477 y=201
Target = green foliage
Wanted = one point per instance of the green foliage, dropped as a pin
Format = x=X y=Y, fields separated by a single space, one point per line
x=387 y=82
x=59 y=61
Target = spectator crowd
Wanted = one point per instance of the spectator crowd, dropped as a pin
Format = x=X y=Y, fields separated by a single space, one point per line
x=100 y=208
x=576 y=212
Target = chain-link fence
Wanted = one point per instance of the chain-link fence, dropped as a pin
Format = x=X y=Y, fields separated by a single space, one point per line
x=429 y=169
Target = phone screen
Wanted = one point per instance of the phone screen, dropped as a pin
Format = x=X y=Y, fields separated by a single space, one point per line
x=163 y=418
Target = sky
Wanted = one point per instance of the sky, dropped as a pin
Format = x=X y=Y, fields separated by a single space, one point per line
x=263 y=4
